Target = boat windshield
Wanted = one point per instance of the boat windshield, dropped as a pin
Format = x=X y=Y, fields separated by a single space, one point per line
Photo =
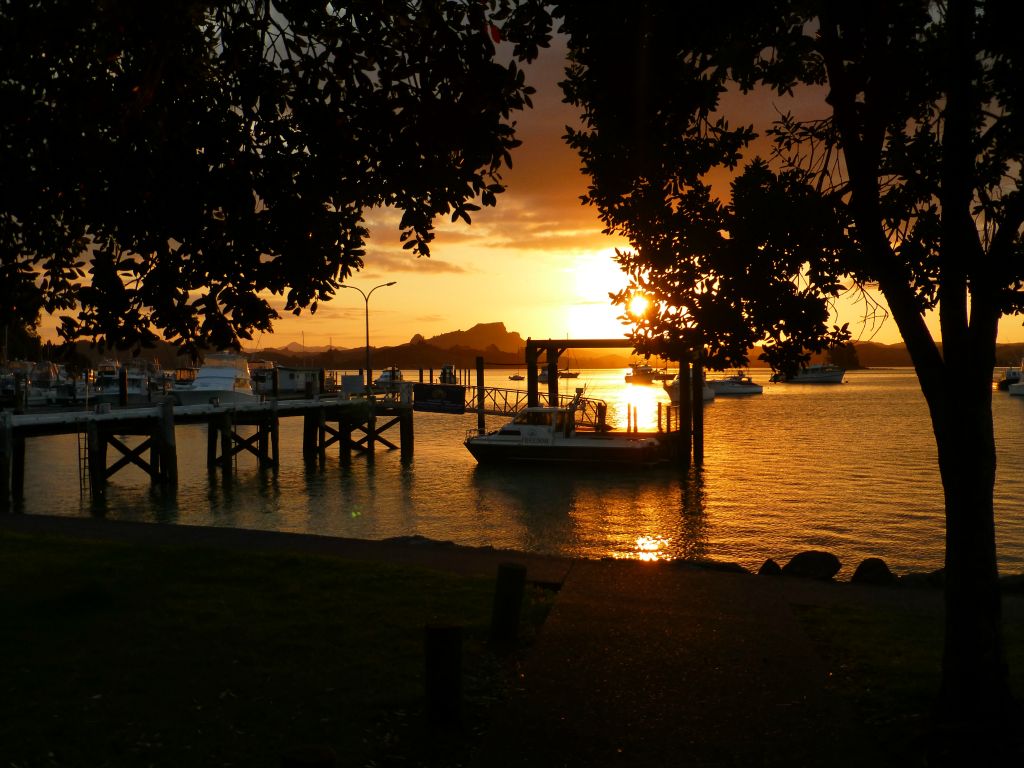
x=541 y=418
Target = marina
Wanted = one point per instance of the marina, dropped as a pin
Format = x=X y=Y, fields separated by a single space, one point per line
x=850 y=469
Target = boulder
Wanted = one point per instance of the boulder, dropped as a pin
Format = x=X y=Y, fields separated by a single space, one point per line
x=813 y=564
x=873 y=571
x=770 y=568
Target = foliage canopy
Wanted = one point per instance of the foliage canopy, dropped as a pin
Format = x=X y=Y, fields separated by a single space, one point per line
x=853 y=177
x=162 y=165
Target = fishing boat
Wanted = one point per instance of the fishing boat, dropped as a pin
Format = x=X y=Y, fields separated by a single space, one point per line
x=818 y=373
x=548 y=435
x=516 y=377
x=737 y=384
x=672 y=387
x=222 y=379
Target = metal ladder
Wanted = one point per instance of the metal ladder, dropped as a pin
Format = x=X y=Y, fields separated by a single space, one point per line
x=83 y=464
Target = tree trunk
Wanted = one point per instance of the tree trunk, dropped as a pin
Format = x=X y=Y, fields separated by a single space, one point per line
x=974 y=707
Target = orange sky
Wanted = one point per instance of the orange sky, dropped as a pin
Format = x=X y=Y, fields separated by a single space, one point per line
x=537 y=262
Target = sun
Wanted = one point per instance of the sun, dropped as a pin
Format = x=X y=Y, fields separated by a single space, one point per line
x=638 y=305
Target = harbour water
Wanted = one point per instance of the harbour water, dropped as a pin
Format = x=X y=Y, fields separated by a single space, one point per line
x=847 y=468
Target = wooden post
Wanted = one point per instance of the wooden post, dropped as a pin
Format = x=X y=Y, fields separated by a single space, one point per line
x=168 y=448
x=18 y=469
x=442 y=652
x=345 y=443
x=321 y=433
x=531 y=374
x=321 y=382
x=122 y=386
x=405 y=428
x=6 y=459
x=211 y=443
x=480 y=425
x=698 y=413
x=226 y=428
x=508 y=600
x=97 y=459
x=685 y=411
x=371 y=431
x=275 y=378
x=275 y=438
x=552 y=377
x=310 y=425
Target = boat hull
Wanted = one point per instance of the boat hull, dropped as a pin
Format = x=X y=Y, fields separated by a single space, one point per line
x=206 y=396
x=598 y=450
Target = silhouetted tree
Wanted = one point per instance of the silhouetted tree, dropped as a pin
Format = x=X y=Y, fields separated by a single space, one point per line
x=164 y=166
x=900 y=166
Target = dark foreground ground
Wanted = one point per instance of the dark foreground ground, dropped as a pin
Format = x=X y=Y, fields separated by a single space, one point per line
x=641 y=664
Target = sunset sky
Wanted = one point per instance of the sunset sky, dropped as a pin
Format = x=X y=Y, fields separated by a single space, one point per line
x=537 y=262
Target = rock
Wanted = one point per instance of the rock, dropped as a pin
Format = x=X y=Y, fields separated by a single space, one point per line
x=770 y=568
x=813 y=564
x=874 y=571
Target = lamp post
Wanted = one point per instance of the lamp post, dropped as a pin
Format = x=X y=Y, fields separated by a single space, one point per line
x=366 y=300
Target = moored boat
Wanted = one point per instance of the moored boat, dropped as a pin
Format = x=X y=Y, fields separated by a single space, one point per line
x=672 y=387
x=223 y=378
x=548 y=435
x=818 y=373
x=1011 y=376
x=737 y=384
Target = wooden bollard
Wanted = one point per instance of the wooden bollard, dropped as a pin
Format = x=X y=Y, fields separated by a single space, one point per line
x=508 y=601
x=442 y=654
x=309 y=756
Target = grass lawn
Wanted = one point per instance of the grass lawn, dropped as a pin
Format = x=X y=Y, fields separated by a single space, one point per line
x=130 y=655
x=885 y=660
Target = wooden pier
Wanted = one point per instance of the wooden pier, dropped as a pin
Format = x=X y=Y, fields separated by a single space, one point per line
x=354 y=425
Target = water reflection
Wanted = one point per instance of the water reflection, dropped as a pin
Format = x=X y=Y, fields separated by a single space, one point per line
x=650 y=514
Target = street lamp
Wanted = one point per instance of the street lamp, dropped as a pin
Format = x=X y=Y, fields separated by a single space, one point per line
x=366 y=299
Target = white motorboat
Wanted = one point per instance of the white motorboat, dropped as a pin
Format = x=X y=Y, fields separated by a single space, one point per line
x=672 y=387
x=223 y=379
x=818 y=373
x=547 y=435
x=1011 y=376
x=737 y=384
x=1016 y=389
x=138 y=389
x=390 y=378
x=643 y=374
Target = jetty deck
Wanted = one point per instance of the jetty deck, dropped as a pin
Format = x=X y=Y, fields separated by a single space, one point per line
x=355 y=425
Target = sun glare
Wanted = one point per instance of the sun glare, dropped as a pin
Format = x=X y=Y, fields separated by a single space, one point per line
x=638 y=305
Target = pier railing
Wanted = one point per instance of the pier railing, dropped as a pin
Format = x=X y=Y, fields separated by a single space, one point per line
x=508 y=402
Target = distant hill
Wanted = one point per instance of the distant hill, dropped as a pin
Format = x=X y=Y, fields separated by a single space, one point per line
x=481 y=336
x=497 y=345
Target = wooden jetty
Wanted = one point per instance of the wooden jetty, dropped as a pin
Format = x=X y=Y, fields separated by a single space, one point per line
x=355 y=425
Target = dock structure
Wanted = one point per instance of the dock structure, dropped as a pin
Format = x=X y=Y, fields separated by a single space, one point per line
x=354 y=425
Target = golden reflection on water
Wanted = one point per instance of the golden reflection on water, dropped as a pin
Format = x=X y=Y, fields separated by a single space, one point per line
x=652 y=548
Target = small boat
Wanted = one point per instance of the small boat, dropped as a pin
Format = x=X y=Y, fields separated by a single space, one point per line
x=548 y=435
x=222 y=379
x=643 y=374
x=1011 y=376
x=445 y=395
x=1016 y=389
x=139 y=389
x=516 y=377
x=737 y=384
x=818 y=373
x=672 y=387
x=390 y=378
